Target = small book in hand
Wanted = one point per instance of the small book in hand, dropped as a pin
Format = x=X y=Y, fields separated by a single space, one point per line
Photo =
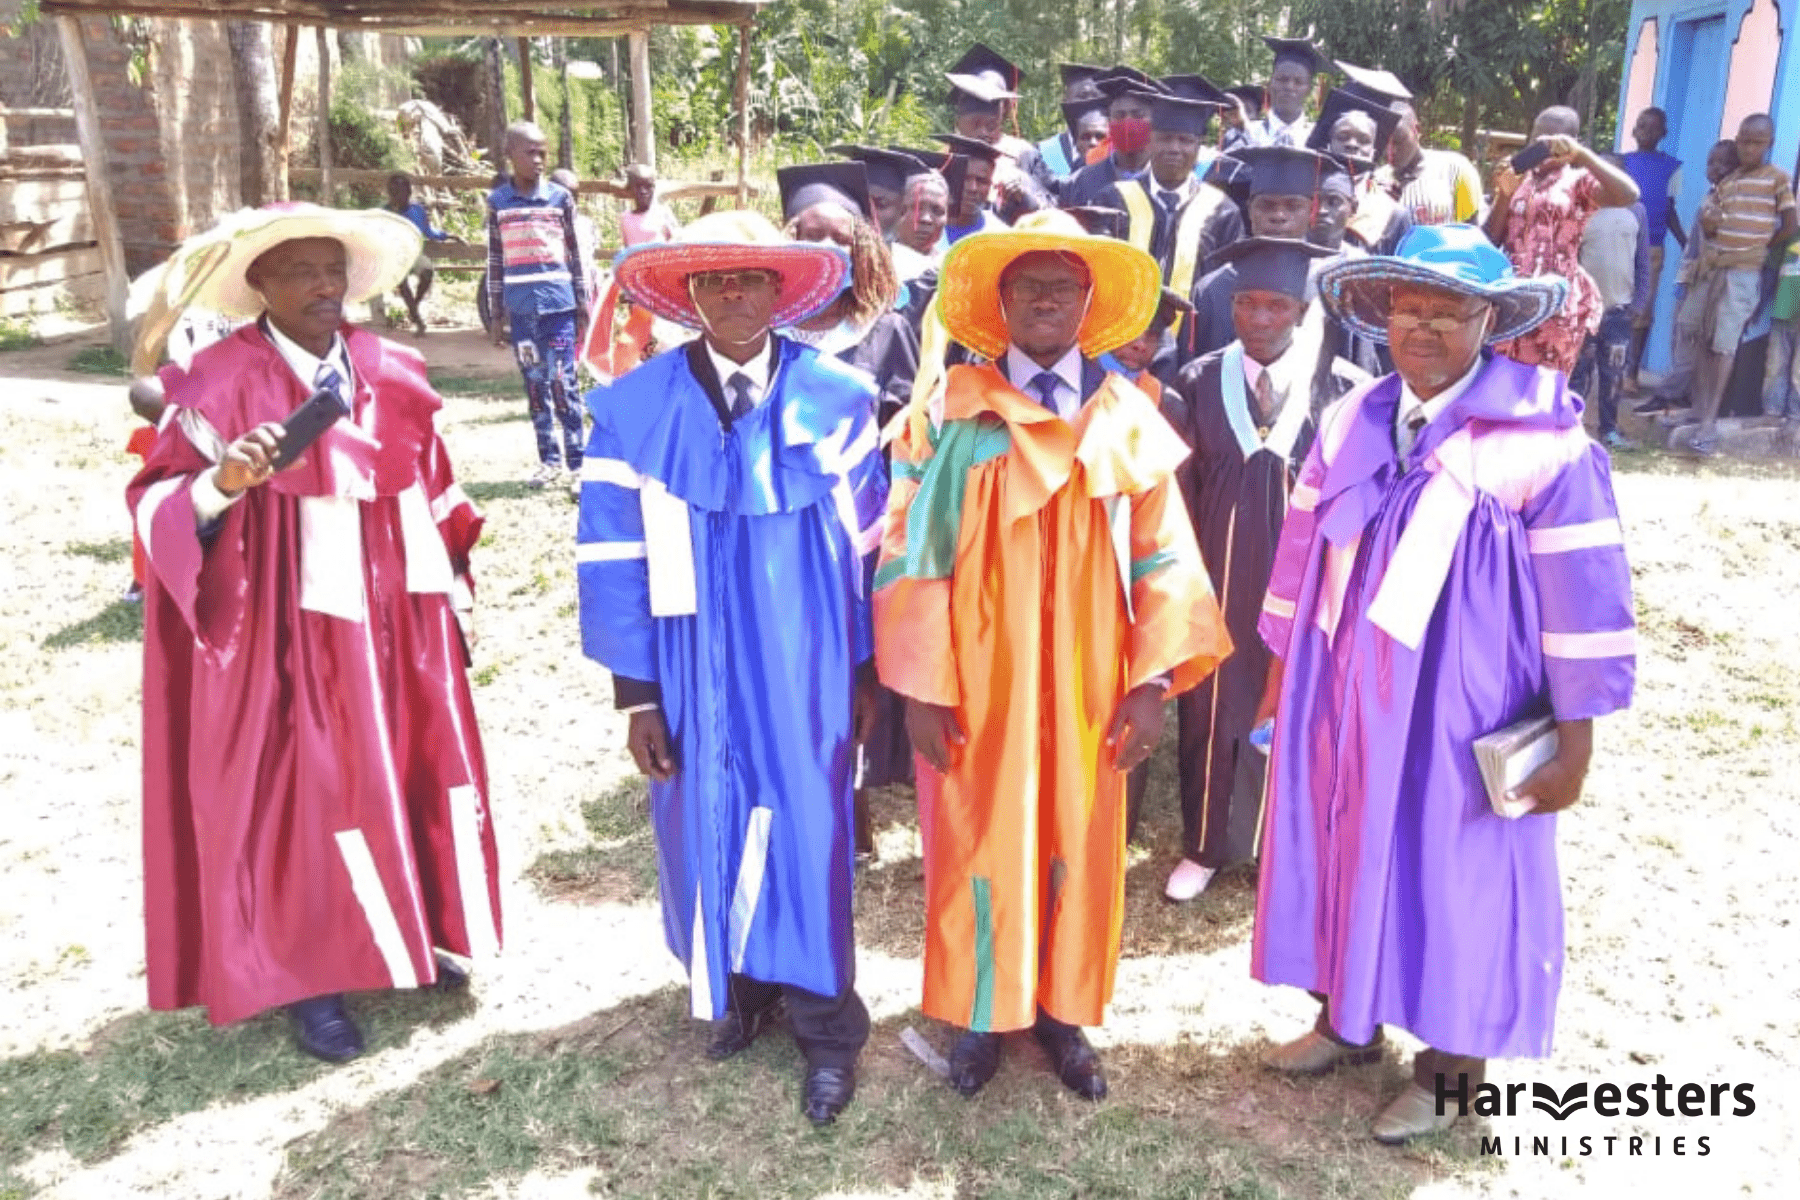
x=1508 y=757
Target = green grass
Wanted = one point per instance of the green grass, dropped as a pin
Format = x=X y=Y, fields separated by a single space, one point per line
x=620 y=863
x=117 y=622
x=16 y=334
x=100 y=360
x=148 y=1067
x=450 y=384
x=117 y=550
x=627 y=1094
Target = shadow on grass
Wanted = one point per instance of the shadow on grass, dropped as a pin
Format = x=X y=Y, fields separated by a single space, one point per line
x=619 y=867
x=499 y=418
x=628 y=1095
x=117 y=622
x=100 y=360
x=114 y=551
x=476 y=385
x=148 y=1067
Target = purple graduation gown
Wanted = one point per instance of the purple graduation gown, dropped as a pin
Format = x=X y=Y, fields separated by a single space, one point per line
x=1419 y=606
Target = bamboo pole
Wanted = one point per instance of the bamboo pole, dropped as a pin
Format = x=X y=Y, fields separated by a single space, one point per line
x=99 y=186
x=527 y=92
x=325 y=189
x=743 y=107
x=643 y=124
x=290 y=58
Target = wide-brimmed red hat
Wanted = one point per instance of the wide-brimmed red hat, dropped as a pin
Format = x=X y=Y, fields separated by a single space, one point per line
x=655 y=274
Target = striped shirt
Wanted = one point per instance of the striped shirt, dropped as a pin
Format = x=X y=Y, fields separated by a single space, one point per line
x=1750 y=204
x=1440 y=188
x=534 y=254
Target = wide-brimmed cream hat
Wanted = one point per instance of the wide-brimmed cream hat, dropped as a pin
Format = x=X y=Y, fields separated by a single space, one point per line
x=1127 y=283
x=208 y=270
x=655 y=274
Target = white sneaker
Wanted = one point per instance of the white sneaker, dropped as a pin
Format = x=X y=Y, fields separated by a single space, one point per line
x=1187 y=881
x=544 y=476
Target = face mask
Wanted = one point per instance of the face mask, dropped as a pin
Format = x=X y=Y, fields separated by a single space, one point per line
x=1131 y=135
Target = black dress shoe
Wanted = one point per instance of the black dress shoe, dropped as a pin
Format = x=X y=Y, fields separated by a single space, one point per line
x=324 y=1029
x=973 y=1061
x=734 y=1032
x=1073 y=1059
x=450 y=975
x=827 y=1093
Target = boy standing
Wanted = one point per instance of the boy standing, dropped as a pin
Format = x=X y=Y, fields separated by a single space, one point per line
x=535 y=284
x=648 y=220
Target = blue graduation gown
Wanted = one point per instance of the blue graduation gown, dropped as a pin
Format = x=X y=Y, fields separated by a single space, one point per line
x=726 y=565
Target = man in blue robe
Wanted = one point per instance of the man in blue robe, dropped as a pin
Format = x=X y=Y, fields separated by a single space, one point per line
x=732 y=493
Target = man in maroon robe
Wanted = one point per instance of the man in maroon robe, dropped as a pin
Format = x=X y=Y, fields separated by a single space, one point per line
x=315 y=794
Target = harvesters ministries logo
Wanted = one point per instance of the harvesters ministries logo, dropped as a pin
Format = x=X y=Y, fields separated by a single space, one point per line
x=1640 y=1098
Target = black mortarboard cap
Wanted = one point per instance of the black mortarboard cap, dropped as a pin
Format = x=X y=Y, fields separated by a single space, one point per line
x=1172 y=114
x=1101 y=221
x=1252 y=94
x=1073 y=73
x=952 y=167
x=1373 y=83
x=1074 y=111
x=970 y=147
x=1338 y=102
x=983 y=76
x=842 y=183
x=1194 y=87
x=887 y=169
x=1336 y=173
x=1171 y=307
x=1299 y=50
x=1118 y=79
x=1281 y=170
x=1266 y=264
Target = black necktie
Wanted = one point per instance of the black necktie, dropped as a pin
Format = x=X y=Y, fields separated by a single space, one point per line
x=1170 y=200
x=1410 y=437
x=739 y=387
x=1044 y=384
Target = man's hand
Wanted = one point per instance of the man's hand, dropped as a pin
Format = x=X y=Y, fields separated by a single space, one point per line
x=1137 y=726
x=934 y=732
x=864 y=704
x=648 y=741
x=1506 y=182
x=249 y=461
x=1557 y=784
x=1563 y=148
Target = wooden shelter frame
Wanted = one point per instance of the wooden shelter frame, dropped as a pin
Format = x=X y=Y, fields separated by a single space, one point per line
x=521 y=19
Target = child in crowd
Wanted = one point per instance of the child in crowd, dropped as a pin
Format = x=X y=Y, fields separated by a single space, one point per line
x=648 y=219
x=399 y=190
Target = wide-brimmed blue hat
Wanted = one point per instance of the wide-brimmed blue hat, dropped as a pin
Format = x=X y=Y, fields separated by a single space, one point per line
x=1450 y=258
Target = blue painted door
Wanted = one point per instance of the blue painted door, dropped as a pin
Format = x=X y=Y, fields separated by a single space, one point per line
x=1693 y=94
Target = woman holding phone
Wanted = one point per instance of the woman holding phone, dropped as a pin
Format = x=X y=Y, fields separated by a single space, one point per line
x=1542 y=201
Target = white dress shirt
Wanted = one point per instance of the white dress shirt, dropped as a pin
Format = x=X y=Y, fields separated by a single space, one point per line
x=1410 y=404
x=1283 y=373
x=1021 y=370
x=756 y=371
x=209 y=502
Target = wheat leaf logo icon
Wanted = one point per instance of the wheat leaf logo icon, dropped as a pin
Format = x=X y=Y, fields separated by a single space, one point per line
x=1544 y=1096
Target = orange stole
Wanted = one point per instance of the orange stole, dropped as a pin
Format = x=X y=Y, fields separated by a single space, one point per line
x=1031 y=640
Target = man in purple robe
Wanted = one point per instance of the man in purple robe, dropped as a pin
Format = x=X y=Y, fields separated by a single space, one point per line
x=1451 y=563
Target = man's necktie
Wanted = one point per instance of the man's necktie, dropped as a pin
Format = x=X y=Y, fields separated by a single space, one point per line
x=1170 y=200
x=739 y=387
x=328 y=379
x=1044 y=384
x=1264 y=387
x=1409 y=432
x=1284 y=137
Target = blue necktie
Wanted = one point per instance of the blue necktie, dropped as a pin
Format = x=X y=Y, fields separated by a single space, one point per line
x=327 y=379
x=739 y=386
x=1044 y=384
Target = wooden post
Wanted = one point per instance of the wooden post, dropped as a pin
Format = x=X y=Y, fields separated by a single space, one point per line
x=643 y=124
x=743 y=107
x=99 y=185
x=290 y=57
x=527 y=94
x=326 y=196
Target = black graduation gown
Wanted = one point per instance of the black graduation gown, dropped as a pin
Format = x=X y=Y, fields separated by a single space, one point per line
x=1086 y=185
x=1236 y=486
x=1224 y=226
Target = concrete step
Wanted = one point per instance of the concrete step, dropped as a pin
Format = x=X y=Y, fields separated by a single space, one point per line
x=1740 y=437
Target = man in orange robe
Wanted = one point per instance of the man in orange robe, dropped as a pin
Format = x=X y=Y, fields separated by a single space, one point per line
x=1040 y=595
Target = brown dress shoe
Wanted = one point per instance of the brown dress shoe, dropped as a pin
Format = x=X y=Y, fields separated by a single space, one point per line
x=1413 y=1113
x=1312 y=1053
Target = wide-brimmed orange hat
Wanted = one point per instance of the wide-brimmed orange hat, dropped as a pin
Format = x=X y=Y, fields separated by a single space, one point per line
x=655 y=274
x=1127 y=283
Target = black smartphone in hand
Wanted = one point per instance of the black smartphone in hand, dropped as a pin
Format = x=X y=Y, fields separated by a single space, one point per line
x=1530 y=157
x=304 y=425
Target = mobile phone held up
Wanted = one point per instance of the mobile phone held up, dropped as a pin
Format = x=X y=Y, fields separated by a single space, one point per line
x=1530 y=158
x=305 y=424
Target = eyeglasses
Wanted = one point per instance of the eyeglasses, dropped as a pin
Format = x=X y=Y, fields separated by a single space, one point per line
x=741 y=281
x=1408 y=322
x=1062 y=292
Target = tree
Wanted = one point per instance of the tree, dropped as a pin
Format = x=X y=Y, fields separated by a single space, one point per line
x=262 y=167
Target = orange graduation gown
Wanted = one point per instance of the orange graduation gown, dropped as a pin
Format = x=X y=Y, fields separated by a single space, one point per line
x=1033 y=572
